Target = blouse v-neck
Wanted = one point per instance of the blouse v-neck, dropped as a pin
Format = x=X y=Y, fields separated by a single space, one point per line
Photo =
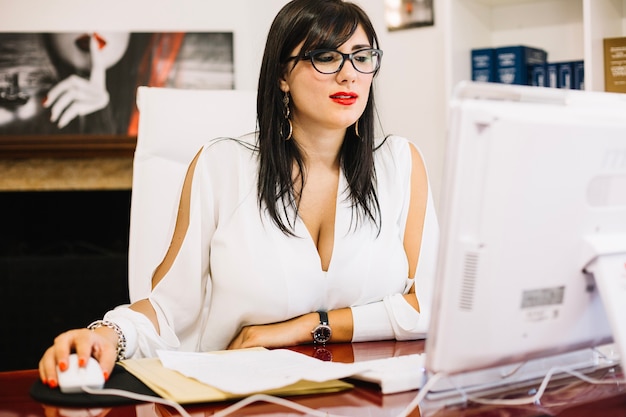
x=303 y=231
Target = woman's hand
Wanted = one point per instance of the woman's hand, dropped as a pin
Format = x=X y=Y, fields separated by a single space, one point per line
x=296 y=331
x=76 y=96
x=100 y=343
x=267 y=335
x=287 y=333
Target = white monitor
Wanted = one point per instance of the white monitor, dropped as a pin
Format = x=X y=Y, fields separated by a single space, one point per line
x=534 y=190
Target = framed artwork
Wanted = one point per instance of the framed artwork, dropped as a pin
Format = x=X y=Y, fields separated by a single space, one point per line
x=73 y=94
x=404 y=14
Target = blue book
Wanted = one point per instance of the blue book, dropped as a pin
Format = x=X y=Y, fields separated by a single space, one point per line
x=552 y=75
x=579 y=75
x=565 y=75
x=539 y=75
x=514 y=63
x=483 y=65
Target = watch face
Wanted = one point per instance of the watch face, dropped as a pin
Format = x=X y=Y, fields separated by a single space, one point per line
x=321 y=334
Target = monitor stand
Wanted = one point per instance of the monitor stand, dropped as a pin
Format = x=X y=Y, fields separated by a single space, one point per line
x=523 y=377
x=608 y=268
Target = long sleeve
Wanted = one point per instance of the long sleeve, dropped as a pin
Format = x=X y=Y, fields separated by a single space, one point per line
x=180 y=298
x=142 y=340
x=394 y=317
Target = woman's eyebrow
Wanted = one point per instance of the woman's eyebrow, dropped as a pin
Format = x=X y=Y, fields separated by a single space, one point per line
x=363 y=46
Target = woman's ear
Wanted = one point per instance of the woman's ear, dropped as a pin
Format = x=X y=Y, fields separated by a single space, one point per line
x=282 y=81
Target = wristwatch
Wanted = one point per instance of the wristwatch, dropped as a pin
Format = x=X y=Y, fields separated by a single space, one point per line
x=321 y=333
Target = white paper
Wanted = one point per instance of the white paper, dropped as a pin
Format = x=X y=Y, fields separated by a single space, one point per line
x=250 y=371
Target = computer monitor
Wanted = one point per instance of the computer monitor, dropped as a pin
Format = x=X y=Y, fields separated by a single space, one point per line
x=534 y=190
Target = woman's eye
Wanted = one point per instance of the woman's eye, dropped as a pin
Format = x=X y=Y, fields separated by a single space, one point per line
x=325 y=57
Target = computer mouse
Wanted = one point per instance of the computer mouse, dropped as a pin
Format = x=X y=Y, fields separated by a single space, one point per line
x=75 y=377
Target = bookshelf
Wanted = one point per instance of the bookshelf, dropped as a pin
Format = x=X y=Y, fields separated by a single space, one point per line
x=566 y=29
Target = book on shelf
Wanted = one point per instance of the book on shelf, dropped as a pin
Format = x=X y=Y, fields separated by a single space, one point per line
x=615 y=65
x=514 y=63
x=552 y=77
x=578 y=71
x=525 y=65
x=539 y=75
x=565 y=75
x=483 y=65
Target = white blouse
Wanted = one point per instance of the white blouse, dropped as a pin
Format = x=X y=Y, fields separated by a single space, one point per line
x=236 y=268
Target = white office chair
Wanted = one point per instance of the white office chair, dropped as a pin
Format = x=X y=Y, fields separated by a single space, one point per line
x=173 y=126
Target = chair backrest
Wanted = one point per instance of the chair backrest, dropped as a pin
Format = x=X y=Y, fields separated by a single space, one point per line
x=173 y=126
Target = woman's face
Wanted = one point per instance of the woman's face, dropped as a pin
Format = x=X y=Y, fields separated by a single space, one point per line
x=328 y=101
x=75 y=48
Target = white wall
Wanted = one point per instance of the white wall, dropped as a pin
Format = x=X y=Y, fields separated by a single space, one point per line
x=410 y=87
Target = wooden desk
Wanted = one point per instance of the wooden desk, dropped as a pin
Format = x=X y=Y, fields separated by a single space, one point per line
x=575 y=400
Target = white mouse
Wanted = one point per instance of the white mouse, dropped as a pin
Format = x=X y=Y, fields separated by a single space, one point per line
x=74 y=377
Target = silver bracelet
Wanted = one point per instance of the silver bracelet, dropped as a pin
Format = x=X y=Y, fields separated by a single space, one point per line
x=121 y=340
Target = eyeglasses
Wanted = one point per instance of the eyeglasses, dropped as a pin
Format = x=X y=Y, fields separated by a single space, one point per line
x=330 y=61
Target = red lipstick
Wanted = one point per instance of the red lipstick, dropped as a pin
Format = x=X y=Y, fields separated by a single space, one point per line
x=345 y=98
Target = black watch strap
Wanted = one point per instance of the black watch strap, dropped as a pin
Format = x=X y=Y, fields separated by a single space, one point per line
x=323 y=317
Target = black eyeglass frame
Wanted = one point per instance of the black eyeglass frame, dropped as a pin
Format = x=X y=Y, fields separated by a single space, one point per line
x=310 y=54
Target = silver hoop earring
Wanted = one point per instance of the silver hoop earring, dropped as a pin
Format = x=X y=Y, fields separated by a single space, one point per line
x=356 y=128
x=286 y=113
x=286 y=132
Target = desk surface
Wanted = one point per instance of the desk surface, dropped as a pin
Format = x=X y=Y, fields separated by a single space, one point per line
x=573 y=400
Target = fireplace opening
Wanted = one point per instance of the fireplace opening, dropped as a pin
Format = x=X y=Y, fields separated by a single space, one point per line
x=63 y=264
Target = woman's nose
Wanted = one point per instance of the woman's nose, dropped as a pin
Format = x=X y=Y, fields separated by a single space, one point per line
x=347 y=72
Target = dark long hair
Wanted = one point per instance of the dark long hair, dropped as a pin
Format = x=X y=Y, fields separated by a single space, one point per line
x=317 y=24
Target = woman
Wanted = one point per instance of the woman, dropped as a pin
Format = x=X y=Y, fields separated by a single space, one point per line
x=308 y=231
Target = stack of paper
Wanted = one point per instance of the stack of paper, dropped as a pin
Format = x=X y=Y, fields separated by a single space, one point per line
x=204 y=377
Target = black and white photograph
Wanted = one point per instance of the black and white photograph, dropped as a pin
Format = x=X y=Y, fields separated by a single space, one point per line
x=70 y=83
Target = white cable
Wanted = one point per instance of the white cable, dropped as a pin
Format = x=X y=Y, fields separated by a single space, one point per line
x=223 y=413
x=536 y=399
x=594 y=381
x=425 y=389
x=255 y=398
x=276 y=400
x=138 y=397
